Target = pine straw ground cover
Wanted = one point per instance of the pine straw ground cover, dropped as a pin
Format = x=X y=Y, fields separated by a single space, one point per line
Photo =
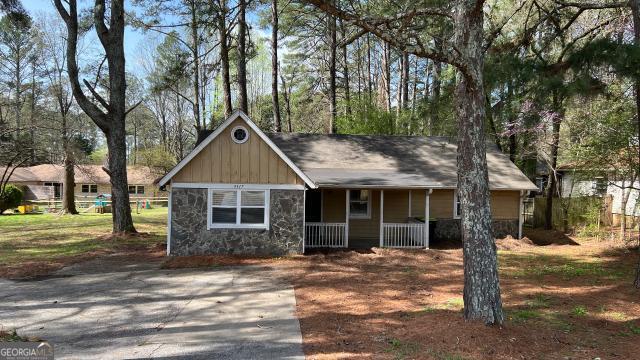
x=561 y=302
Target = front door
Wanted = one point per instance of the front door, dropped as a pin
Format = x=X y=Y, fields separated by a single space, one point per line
x=313 y=206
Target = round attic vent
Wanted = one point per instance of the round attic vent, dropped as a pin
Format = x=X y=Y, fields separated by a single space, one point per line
x=239 y=134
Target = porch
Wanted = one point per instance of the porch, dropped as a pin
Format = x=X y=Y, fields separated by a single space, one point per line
x=364 y=218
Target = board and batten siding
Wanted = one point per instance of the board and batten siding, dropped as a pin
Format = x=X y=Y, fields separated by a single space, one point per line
x=224 y=161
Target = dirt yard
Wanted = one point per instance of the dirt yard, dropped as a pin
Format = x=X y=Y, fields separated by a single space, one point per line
x=561 y=302
x=564 y=298
x=568 y=301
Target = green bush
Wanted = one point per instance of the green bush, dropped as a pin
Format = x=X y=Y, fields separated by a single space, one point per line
x=10 y=198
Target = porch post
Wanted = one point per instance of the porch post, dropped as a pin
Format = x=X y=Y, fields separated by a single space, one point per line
x=426 y=217
x=346 y=221
x=521 y=216
x=381 y=218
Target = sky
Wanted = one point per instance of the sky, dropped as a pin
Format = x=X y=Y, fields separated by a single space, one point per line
x=132 y=38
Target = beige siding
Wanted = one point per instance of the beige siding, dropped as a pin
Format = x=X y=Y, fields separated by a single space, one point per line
x=441 y=204
x=333 y=205
x=224 y=161
x=505 y=204
x=396 y=206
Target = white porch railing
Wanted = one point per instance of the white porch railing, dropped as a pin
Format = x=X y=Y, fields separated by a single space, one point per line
x=400 y=235
x=325 y=235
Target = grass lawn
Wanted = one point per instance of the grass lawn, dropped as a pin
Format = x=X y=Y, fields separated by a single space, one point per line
x=38 y=243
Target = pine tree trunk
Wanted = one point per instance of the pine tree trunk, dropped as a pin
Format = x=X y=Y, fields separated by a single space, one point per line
x=277 y=122
x=369 y=72
x=481 y=284
x=384 y=92
x=405 y=80
x=345 y=70
x=332 y=73
x=224 y=58
x=623 y=210
x=32 y=112
x=242 y=57
x=635 y=10
x=553 y=181
x=196 y=66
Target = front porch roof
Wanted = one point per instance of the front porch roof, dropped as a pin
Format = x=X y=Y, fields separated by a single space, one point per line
x=378 y=161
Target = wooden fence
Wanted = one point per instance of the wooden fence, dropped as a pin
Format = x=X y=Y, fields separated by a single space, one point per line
x=575 y=211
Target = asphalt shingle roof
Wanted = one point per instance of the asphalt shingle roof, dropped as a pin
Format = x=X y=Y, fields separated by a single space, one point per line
x=389 y=161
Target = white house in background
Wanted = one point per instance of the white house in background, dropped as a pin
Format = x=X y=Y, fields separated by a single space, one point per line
x=574 y=183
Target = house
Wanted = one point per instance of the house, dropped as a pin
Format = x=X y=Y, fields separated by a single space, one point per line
x=244 y=191
x=45 y=181
x=575 y=182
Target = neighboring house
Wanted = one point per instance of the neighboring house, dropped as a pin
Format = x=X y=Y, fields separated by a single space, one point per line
x=576 y=183
x=45 y=182
x=243 y=191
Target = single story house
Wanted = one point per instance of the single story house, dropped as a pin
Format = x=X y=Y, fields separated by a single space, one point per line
x=244 y=191
x=45 y=181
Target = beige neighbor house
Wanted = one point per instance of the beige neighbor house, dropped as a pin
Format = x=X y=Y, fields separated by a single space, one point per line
x=244 y=191
x=45 y=182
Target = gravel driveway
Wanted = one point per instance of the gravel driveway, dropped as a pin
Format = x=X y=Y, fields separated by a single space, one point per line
x=109 y=308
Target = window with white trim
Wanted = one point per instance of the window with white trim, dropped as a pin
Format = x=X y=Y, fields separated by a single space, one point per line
x=359 y=204
x=456 y=205
x=136 y=189
x=89 y=188
x=238 y=208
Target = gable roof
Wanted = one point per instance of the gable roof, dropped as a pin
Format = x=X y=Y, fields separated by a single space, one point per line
x=84 y=174
x=204 y=143
x=390 y=161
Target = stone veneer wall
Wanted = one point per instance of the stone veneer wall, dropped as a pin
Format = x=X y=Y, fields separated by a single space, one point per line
x=189 y=234
x=449 y=229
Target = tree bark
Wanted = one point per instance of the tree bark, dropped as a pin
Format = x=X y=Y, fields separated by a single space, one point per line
x=69 y=183
x=481 y=287
x=277 y=122
x=405 y=80
x=242 y=57
x=435 y=93
x=635 y=10
x=385 y=78
x=32 y=112
x=195 y=40
x=224 y=58
x=623 y=209
x=345 y=70
x=111 y=121
x=369 y=72
x=332 y=73
x=552 y=189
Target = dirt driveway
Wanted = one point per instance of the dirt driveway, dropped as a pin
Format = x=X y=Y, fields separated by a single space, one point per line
x=110 y=308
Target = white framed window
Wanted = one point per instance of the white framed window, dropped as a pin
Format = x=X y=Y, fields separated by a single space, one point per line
x=136 y=189
x=238 y=209
x=456 y=205
x=89 y=188
x=359 y=204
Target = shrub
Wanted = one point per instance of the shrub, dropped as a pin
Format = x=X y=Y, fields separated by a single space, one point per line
x=10 y=198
